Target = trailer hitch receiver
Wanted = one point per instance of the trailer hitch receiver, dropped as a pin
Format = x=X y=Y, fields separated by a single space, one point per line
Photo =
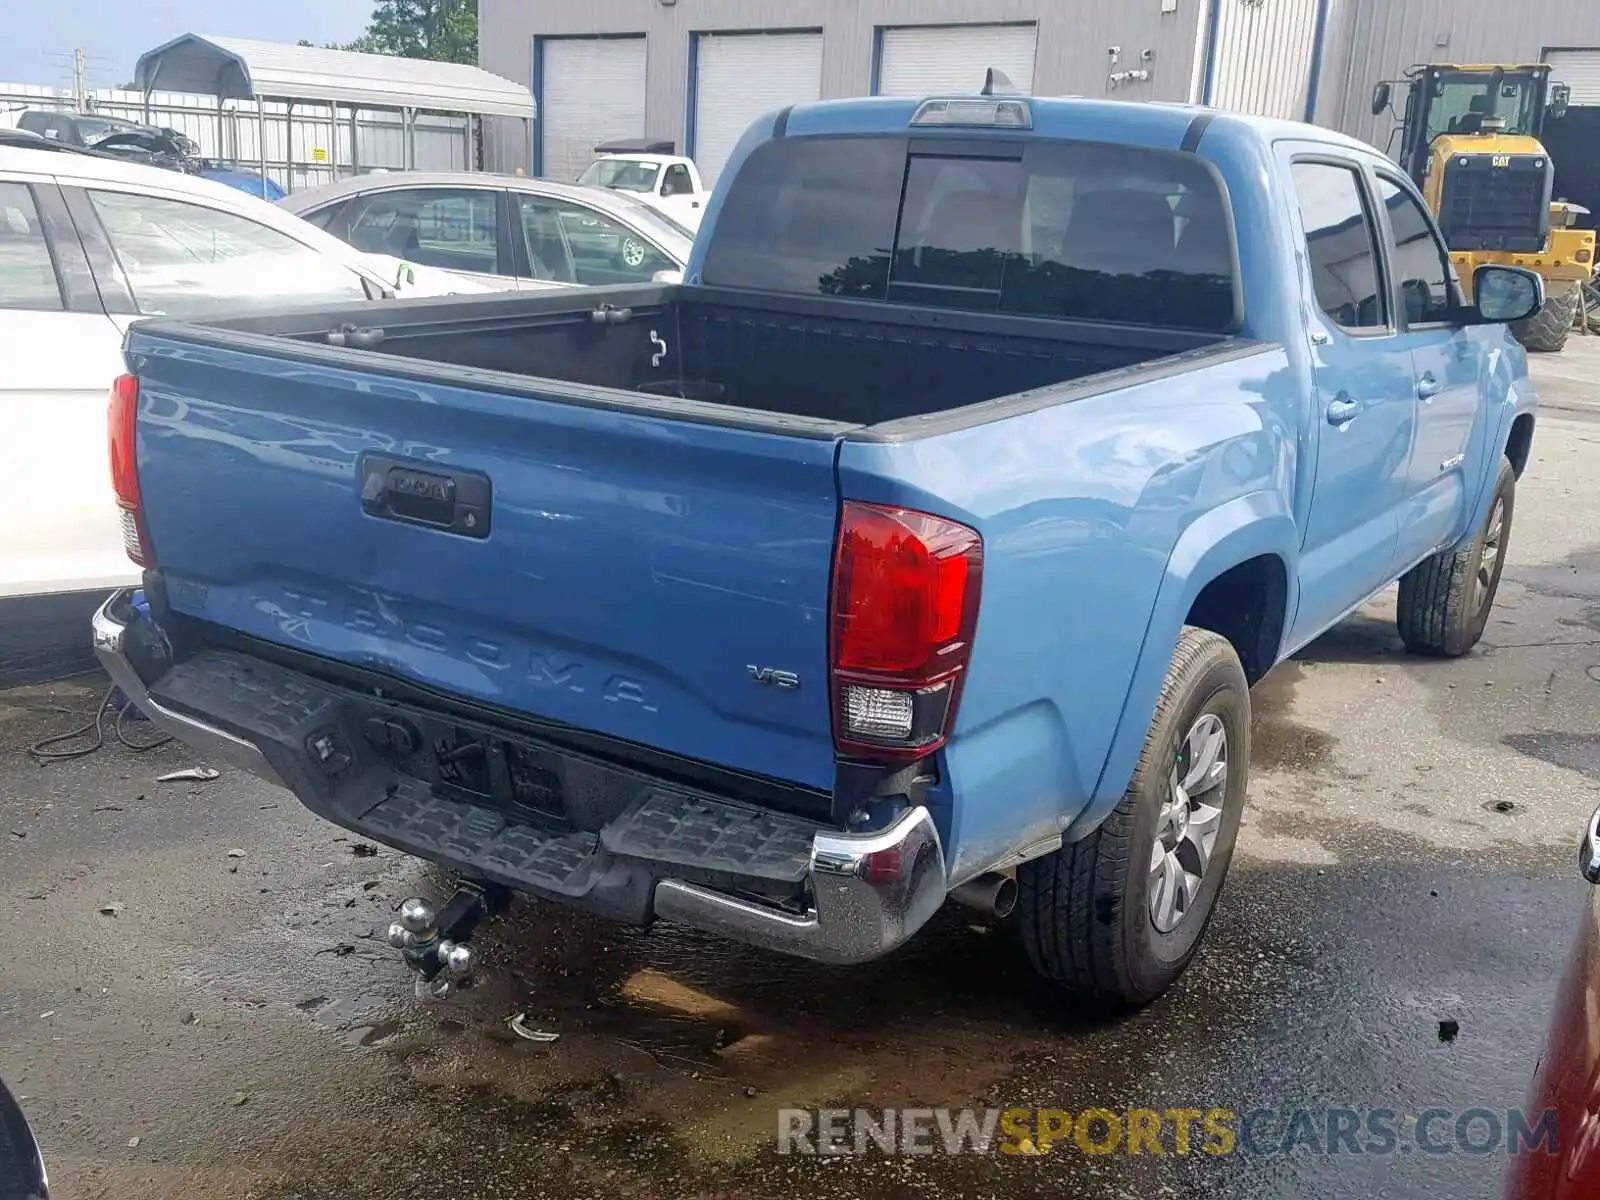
x=437 y=943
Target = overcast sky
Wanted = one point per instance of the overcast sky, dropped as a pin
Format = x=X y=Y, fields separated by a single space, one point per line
x=40 y=35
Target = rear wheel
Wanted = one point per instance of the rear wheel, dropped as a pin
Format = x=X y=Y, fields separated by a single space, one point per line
x=1118 y=915
x=1548 y=328
x=1445 y=600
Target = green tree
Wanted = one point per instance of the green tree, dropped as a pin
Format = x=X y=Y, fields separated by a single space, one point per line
x=442 y=30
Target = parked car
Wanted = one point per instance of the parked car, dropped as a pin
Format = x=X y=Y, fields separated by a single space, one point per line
x=248 y=181
x=502 y=230
x=89 y=245
x=74 y=128
x=1567 y=1081
x=146 y=144
x=27 y=140
x=667 y=182
x=178 y=152
x=923 y=545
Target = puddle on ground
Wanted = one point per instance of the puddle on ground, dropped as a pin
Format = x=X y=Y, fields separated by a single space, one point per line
x=1575 y=751
x=678 y=1050
x=1277 y=741
x=1577 y=577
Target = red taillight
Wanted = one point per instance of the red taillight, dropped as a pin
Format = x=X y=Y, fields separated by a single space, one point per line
x=122 y=418
x=905 y=603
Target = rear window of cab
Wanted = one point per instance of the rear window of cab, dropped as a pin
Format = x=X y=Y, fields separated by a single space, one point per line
x=1070 y=230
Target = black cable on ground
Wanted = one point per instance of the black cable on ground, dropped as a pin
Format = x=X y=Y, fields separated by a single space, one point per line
x=41 y=752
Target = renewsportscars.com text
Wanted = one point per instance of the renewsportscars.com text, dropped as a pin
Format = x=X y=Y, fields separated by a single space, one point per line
x=1174 y=1131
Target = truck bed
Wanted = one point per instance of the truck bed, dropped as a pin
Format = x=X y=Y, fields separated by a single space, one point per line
x=830 y=360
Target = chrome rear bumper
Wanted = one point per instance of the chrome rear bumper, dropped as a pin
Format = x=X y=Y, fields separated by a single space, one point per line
x=869 y=892
x=111 y=626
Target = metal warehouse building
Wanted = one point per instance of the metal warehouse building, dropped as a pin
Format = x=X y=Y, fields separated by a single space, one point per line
x=698 y=72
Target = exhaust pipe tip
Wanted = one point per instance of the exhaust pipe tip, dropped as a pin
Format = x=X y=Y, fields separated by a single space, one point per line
x=1005 y=896
x=993 y=894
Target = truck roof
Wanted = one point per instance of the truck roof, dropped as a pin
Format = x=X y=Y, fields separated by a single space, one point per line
x=651 y=159
x=1150 y=123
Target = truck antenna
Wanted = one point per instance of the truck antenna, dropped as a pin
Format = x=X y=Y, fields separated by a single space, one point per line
x=998 y=83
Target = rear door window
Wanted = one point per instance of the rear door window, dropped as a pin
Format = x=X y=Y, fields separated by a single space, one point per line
x=1063 y=229
x=1341 y=245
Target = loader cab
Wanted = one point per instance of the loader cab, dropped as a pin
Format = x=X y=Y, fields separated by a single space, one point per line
x=1469 y=139
x=1467 y=102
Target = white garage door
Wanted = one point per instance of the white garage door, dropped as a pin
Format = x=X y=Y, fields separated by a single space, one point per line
x=1264 y=57
x=592 y=91
x=742 y=76
x=954 y=58
x=1580 y=71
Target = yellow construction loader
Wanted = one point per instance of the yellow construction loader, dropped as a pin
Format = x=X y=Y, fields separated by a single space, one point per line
x=1470 y=140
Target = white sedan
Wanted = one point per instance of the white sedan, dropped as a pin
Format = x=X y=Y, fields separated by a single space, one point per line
x=89 y=245
x=503 y=231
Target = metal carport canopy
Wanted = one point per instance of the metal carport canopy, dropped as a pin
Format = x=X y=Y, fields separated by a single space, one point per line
x=242 y=69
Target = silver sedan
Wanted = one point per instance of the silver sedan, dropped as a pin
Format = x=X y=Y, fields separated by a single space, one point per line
x=504 y=230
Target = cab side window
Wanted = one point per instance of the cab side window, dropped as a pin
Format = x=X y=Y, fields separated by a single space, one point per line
x=677 y=181
x=1341 y=245
x=1421 y=265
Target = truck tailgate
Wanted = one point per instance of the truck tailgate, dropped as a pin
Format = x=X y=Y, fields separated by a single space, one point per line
x=623 y=573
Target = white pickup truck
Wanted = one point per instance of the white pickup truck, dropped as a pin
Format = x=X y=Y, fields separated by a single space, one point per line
x=667 y=182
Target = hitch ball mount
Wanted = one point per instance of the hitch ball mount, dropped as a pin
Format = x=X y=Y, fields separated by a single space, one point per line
x=437 y=943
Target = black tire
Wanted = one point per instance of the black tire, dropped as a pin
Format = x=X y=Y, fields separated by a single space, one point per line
x=1084 y=912
x=1547 y=330
x=1445 y=600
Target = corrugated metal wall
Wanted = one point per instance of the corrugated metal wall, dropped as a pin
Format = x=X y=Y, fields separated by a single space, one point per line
x=1364 y=41
x=441 y=141
x=1580 y=71
x=1074 y=57
x=1387 y=36
x=1263 y=56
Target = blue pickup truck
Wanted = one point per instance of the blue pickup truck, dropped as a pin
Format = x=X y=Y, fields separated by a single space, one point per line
x=923 y=544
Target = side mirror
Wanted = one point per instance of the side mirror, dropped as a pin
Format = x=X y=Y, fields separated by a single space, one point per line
x=1505 y=294
x=667 y=277
x=1560 y=100
x=22 y=1174
x=1381 y=96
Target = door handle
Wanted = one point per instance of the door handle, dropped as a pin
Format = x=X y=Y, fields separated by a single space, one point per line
x=1428 y=387
x=452 y=501
x=1343 y=410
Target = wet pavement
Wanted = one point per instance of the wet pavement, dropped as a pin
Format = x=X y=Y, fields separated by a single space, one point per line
x=235 y=1026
